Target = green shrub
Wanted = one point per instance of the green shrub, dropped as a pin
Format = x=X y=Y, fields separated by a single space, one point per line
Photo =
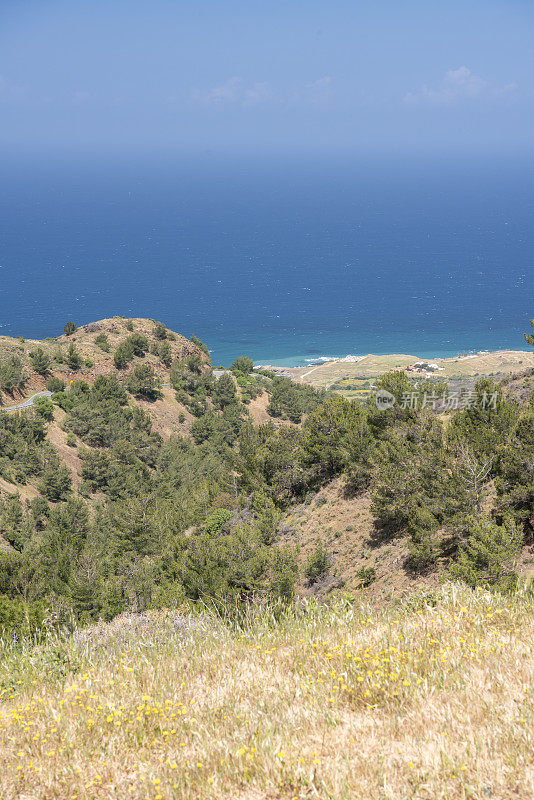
x=159 y=331
x=56 y=482
x=144 y=383
x=12 y=375
x=165 y=353
x=44 y=408
x=290 y=400
x=366 y=576
x=489 y=553
x=54 y=385
x=40 y=361
x=102 y=342
x=134 y=345
x=242 y=364
x=20 y=619
x=317 y=564
x=217 y=520
x=73 y=358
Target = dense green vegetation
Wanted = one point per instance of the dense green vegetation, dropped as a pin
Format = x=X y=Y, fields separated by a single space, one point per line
x=12 y=374
x=289 y=400
x=24 y=452
x=154 y=522
x=40 y=361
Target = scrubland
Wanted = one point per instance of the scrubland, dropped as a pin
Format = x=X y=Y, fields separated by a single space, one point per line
x=428 y=698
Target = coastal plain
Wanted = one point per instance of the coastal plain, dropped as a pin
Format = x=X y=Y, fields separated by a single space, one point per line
x=352 y=377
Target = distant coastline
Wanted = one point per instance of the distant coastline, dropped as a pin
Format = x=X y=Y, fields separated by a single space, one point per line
x=302 y=363
x=462 y=367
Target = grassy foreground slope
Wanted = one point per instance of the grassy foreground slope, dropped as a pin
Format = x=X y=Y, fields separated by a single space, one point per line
x=429 y=699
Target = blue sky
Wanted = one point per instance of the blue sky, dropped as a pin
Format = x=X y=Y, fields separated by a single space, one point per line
x=277 y=75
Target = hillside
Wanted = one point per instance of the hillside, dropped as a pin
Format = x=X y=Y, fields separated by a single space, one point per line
x=147 y=479
x=345 y=525
x=229 y=584
x=361 y=560
x=94 y=347
x=428 y=699
x=85 y=340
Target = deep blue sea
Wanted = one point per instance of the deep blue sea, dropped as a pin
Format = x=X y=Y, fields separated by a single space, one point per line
x=283 y=259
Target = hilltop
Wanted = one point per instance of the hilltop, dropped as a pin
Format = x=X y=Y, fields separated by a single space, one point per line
x=95 y=343
x=94 y=349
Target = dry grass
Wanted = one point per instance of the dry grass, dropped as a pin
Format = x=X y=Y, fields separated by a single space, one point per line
x=432 y=699
x=345 y=525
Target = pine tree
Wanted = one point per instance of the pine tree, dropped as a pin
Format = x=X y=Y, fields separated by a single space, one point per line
x=337 y=438
x=85 y=591
x=56 y=482
x=489 y=553
x=165 y=353
x=144 y=383
x=515 y=474
x=135 y=532
x=40 y=361
x=11 y=374
x=317 y=564
x=73 y=359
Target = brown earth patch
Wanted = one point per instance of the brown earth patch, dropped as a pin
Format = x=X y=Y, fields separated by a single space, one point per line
x=258 y=409
x=68 y=455
x=259 y=414
x=345 y=525
x=25 y=491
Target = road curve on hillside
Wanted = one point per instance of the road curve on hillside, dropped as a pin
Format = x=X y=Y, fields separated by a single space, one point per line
x=27 y=403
